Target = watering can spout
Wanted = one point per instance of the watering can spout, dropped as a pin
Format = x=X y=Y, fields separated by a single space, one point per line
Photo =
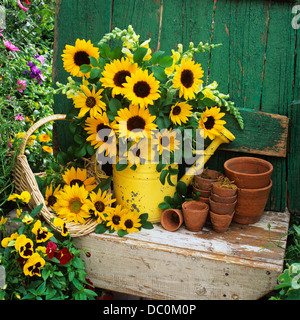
x=225 y=137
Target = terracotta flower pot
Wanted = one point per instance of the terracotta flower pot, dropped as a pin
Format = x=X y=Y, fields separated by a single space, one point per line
x=171 y=219
x=221 y=208
x=220 y=222
x=194 y=214
x=251 y=204
x=223 y=192
x=223 y=199
x=249 y=172
x=203 y=193
x=205 y=184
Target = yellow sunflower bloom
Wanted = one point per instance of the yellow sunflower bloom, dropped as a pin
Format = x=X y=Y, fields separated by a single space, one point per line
x=73 y=204
x=60 y=223
x=74 y=57
x=47 y=149
x=77 y=176
x=115 y=73
x=101 y=202
x=180 y=113
x=33 y=265
x=42 y=233
x=210 y=122
x=139 y=153
x=141 y=88
x=114 y=217
x=44 y=137
x=50 y=196
x=89 y=101
x=135 y=122
x=187 y=78
x=130 y=222
x=94 y=125
x=165 y=140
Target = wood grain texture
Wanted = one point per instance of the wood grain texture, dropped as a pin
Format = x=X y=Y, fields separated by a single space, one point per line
x=183 y=265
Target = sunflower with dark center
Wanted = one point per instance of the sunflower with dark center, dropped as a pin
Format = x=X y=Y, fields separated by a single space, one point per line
x=42 y=233
x=211 y=122
x=99 y=129
x=79 y=176
x=102 y=204
x=130 y=222
x=33 y=265
x=187 y=78
x=115 y=73
x=141 y=88
x=50 y=196
x=74 y=57
x=166 y=141
x=134 y=122
x=89 y=101
x=113 y=219
x=138 y=153
x=180 y=113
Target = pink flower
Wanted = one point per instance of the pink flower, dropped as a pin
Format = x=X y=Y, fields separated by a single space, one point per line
x=10 y=46
x=21 y=6
x=27 y=2
x=19 y=117
x=9 y=144
x=1 y=35
x=21 y=85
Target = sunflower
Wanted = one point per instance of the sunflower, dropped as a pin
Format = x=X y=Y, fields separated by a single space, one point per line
x=44 y=137
x=115 y=73
x=166 y=141
x=180 y=112
x=89 y=101
x=101 y=202
x=130 y=222
x=114 y=217
x=139 y=153
x=77 y=176
x=74 y=57
x=73 y=204
x=141 y=88
x=50 y=196
x=107 y=149
x=188 y=78
x=94 y=125
x=210 y=122
x=135 y=122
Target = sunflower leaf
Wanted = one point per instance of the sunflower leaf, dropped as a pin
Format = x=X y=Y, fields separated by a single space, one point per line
x=94 y=62
x=163 y=176
x=85 y=68
x=122 y=233
x=139 y=54
x=147 y=225
x=95 y=73
x=156 y=56
x=100 y=228
x=166 y=62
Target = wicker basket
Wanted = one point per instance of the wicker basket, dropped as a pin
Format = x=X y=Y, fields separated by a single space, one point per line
x=24 y=180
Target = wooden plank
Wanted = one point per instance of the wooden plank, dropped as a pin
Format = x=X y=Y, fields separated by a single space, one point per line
x=183 y=265
x=264 y=133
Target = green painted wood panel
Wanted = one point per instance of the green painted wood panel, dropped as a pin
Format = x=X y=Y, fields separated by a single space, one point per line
x=256 y=64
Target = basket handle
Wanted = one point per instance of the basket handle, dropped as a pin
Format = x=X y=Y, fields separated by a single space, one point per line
x=35 y=126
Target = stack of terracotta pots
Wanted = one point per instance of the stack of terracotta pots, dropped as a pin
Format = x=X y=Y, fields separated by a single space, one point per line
x=253 y=179
x=203 y=183
x=222 y=203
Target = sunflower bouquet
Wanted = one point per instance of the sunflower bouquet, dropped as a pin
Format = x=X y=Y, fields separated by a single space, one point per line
x=129 y=102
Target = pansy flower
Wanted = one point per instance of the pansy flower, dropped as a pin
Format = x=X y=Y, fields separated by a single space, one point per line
x=42 y=233
x=51 y=248
x=25 y=246
x=33 y=265
x=64 y=256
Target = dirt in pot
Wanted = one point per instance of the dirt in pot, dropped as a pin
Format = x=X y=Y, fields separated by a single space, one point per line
x=224 y=182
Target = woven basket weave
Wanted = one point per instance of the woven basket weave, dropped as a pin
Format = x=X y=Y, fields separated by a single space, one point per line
x=24 y=180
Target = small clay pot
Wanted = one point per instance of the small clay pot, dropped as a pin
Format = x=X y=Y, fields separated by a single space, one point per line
x=223 y=192
x=171 y=219
x=203 y=193
x=222 y=199
x=249 y=172
x=194 y=214
x=206 y=184
x=220 y=222
x=221 y=208
x=251 y=204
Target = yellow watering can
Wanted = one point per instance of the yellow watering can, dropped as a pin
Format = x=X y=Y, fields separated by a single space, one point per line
x=141 y=190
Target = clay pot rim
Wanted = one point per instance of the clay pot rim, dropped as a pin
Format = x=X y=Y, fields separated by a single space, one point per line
x=232 y=160
x=220 y=174
x=257 y=189
x=180 y=216
x=223 y=203
x=230 y=197
x=218 y=214
x=205 y=205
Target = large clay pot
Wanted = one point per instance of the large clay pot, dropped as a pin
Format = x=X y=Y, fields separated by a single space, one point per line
x=249 y=172
x=222 y=199
x=206 y=184
x=220 y=222
x=221 y=208
x=171 y=219
x=223 y=192
x=194 y=214
x=251 y=204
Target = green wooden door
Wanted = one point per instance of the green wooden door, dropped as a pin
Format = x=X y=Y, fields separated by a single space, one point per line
x=257 y=65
